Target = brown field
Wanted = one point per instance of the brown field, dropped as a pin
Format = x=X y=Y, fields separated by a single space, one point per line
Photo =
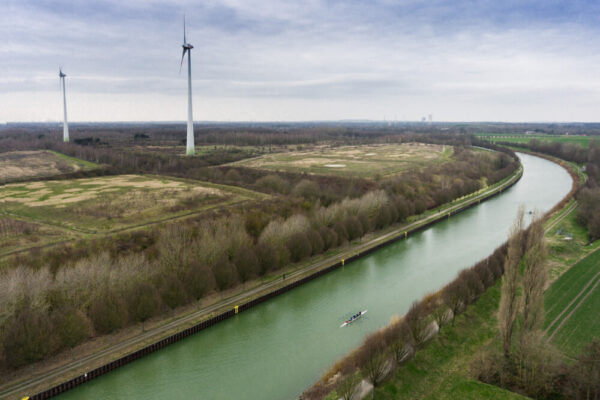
x=364 y=161
x=20 y=165
x=113 y=202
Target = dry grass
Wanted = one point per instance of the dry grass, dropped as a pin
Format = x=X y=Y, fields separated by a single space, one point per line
x=30 y=164
x=112 y=202
x=364 y=160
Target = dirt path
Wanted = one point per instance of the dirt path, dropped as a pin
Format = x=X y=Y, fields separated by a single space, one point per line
x=79 y=366
x=575 y=308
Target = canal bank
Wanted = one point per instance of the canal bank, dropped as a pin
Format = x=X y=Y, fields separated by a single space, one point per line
x=372 y=244
x=229 y=307
x=276 y=349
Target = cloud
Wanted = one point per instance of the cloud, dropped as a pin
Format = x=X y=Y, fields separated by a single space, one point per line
x=418 y=56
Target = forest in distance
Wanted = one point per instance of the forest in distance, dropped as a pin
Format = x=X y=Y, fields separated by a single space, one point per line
x=93 y=287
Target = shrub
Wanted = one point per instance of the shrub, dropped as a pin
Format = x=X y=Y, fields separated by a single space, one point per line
x=274 y=183
x=306 y=189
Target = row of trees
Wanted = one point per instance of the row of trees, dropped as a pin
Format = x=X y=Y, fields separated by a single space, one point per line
x=171 y=267
x=588 y=213
x=525 y=361
x=389 y=348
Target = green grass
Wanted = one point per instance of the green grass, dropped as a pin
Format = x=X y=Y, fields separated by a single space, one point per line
x=82 y=163
x=583 y=325
x=583 y=141
x=440 y=370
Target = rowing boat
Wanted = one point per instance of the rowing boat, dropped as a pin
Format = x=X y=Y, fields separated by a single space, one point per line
x=353 y=319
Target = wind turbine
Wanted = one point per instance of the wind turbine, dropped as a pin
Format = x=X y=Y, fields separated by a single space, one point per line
x=62 y=75
x=187 y=48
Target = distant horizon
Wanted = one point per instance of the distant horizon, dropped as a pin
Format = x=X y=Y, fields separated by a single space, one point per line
x=323 y=121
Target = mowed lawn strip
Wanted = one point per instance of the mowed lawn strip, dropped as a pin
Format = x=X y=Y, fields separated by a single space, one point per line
x=583 y=141
x=564 y=290
x=440 y=369
x=583 y=323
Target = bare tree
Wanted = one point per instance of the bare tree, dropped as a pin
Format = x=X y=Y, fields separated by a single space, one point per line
x=399 y=340
x=348 y=386
x=509 y=300
x=534 y=278
x=372 y=358
x=454 y=295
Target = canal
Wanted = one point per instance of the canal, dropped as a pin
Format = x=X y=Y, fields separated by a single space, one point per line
x=279 y=348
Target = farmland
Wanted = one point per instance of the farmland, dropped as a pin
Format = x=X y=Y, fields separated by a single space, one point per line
x=580 y=140
x=367 y=161
x=572 y=304
x=19 y=165
x=99 y=204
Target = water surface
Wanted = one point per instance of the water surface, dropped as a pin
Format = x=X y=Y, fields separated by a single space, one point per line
x=279 y=348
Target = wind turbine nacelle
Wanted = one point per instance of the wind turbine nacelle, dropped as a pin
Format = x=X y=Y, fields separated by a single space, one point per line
x=187 y=46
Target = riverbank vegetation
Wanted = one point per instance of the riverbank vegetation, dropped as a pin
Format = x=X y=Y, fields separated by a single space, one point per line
x=517 y=338
x=91 y=287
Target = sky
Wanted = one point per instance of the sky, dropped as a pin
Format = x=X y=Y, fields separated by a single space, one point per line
x=302 y=60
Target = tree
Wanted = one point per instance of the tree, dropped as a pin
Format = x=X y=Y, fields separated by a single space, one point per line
x=534 y=279
x=348 y=386
x=226 y=275
x=143 y=301
x=399 y=340
x=107 y=310
x=584 y=375
x=27 y=335
x=454 y=296
x=171 y=290
x=372 y=359
x=246 y=263
x=417 y=322
x=509 y=301
x=71 y=325
x=199 y=280
x=299 y=246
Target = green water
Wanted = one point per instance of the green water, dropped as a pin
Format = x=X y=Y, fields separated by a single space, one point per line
x=278 y=349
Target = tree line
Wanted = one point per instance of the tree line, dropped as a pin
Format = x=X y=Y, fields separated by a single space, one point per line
x=75 y=292
x=588 y=213
x=520 y=358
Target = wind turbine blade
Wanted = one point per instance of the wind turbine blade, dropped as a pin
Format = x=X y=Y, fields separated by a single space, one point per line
x=182 y=56
x=184 y=41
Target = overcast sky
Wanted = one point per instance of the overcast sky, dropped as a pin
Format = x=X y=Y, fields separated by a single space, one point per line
x=259 y=60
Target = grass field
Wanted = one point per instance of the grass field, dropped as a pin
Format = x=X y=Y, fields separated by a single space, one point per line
x=364 y=161
x=113 y=202
x=573 y=139
x=567 y=241
x=20 y=165
x=575 y=300
x=440 y=370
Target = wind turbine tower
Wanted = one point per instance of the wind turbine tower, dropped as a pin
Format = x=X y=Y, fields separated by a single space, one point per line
x=62 y=75
x=187 y=48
